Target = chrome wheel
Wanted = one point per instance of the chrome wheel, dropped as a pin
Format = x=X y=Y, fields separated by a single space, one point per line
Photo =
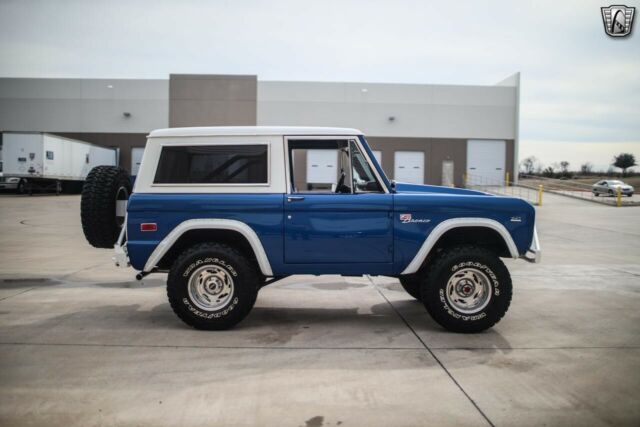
x=210 y=287
x=468 y=290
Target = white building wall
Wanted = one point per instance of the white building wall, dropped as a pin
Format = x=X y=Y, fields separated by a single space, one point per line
x=83 y=105
x=439 y=111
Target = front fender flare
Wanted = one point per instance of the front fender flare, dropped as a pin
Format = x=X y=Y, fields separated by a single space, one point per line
x=211 y=224
x=450 y=224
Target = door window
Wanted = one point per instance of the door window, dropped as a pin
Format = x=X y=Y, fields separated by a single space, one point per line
x=320 y=166
x=330 y=166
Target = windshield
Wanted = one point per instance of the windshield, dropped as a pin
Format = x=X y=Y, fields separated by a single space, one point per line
x=363 y=178
x=374 y=162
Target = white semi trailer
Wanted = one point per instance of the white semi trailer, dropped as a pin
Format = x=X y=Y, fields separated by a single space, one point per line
x=39 y=161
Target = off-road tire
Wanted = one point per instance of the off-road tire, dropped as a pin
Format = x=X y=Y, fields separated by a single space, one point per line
x=442 y=269
x=412 y=284
x=98 y=204
x=245 y=278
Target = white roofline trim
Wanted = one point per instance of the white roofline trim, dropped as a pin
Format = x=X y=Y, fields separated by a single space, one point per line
x=450 y=224
x=251 y=131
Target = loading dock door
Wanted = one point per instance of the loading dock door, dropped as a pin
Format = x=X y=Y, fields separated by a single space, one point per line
x=322 y=166
x=378 y=155
x=447 y=173
x=409 y=167
x=486 y=161
x=136 y=159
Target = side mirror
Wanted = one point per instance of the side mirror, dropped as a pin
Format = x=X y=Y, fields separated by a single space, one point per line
x=393 y=185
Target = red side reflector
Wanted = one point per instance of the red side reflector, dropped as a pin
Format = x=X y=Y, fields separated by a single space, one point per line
x=148 y=226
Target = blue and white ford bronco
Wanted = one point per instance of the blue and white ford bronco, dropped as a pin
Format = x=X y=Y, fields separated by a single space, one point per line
x=227 y=210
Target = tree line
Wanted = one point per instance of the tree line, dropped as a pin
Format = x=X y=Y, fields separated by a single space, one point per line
x=532 y=166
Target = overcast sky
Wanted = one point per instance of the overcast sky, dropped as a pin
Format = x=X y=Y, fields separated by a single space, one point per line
x=580 y=88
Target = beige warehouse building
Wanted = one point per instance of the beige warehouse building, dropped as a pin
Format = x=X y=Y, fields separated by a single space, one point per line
x=421 y=133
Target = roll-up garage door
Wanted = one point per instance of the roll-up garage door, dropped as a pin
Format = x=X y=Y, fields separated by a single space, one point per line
x=486 y=161
x=136 y=159
x=322 y=166
x=409 y=167
x=378 y=155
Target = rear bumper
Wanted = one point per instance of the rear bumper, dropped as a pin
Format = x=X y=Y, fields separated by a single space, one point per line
x=534 y=253
x=120 y=256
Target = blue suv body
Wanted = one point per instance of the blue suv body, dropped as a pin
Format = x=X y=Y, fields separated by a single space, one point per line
x=226 y=210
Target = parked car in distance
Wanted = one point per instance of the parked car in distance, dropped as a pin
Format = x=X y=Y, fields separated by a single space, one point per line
x=9 y=182
x=610 y=187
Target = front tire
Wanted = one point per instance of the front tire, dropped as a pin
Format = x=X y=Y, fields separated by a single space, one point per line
x=468 y=289
x=212 y=286
x=412 y=284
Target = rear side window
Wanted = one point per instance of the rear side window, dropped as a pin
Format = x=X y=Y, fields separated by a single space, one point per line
x=213 y=164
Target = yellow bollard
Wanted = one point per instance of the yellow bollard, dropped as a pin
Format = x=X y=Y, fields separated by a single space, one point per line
x=540 y=190
x=507 y=179
x=619 y=201
x=464 y=180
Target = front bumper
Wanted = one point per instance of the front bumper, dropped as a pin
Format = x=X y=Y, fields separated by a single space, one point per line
x=534 y=253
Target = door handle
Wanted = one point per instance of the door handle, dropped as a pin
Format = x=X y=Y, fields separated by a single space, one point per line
x=295 y=198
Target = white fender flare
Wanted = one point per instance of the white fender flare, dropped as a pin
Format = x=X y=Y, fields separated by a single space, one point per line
x=210 y=224
x=450 y=224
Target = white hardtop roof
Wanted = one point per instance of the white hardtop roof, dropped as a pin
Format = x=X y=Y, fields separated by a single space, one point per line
x=251 y=130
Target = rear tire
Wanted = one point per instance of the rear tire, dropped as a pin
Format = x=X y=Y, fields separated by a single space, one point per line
x=469 y=289
x=212 y=286
x=102 y=188
x=412 y=284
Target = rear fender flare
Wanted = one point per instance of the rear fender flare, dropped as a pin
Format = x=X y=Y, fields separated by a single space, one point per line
x=211 y=224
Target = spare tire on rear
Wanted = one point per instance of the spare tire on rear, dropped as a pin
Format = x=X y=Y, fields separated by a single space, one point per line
x=103 y=205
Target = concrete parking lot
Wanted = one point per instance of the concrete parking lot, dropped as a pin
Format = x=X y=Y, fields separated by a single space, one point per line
x=82 y=343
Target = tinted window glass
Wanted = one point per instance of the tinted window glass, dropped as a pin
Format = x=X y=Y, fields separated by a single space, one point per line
x=213 y=164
